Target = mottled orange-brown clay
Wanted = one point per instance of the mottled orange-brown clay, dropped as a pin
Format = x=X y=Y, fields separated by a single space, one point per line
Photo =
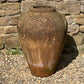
x=42 y=33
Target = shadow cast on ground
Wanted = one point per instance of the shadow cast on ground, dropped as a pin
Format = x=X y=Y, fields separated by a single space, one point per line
x=70 y=52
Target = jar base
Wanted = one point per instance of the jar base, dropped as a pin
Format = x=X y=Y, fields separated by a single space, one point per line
x=41 y=71
x=42 y=75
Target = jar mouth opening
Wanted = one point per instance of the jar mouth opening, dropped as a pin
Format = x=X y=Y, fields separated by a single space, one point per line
x=42 y=9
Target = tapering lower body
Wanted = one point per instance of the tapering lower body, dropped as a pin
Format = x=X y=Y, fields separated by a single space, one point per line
x=42 y=56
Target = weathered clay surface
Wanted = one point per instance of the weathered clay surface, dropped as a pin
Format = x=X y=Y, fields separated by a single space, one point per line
x=42 y=32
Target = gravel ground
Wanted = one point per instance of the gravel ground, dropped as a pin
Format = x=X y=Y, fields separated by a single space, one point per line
x=14 y=70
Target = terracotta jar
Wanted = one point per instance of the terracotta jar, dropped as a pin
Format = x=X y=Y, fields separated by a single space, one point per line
x=42 y=32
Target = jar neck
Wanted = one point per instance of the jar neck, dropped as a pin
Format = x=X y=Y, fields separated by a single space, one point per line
x=42 y=9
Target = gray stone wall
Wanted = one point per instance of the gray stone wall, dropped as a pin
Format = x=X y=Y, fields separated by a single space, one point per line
x=11 y=9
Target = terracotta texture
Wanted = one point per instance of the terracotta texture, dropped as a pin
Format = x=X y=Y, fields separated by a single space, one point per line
x=42 y=33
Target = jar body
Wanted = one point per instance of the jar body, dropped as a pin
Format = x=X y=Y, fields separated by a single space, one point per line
x=42 y=36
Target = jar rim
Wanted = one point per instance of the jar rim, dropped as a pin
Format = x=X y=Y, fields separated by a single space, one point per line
x=42 y=9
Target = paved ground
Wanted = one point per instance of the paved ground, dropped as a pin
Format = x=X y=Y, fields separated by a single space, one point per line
x=14 y=70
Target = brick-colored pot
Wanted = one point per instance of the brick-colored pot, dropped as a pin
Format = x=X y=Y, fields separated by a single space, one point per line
x=42 y=33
